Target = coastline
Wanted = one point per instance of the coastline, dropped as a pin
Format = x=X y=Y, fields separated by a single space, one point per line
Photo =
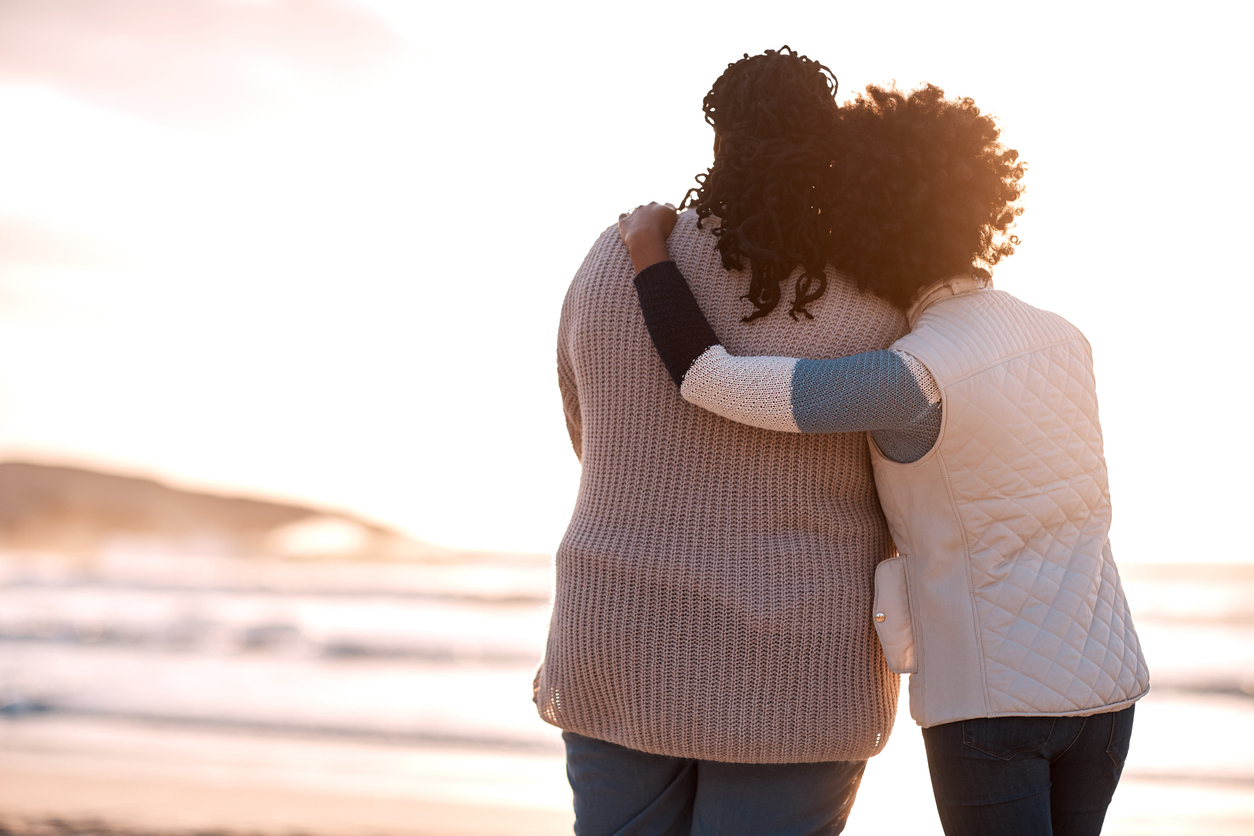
x=333 y=700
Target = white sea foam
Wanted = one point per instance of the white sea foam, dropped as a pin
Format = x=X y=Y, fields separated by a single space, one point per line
x=443 y=655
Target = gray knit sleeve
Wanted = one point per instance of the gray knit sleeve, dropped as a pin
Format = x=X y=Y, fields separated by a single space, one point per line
x=889 y=393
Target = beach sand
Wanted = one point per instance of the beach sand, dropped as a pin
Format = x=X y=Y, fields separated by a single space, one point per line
x=153 y=778
x=338 y=700
x=146 y=778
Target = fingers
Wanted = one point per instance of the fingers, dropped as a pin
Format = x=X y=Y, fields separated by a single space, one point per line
x=649 y=205
x=648 y=219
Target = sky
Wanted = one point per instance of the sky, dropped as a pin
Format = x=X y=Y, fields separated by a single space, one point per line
x=315 y=249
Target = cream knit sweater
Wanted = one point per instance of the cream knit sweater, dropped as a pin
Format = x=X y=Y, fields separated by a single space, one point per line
x=714 y=585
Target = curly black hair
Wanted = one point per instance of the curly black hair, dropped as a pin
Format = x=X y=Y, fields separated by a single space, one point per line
x=774 y=116
x=895 y=190
x=920 y=190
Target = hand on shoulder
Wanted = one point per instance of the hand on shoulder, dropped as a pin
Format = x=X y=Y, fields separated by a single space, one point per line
x=644 y=230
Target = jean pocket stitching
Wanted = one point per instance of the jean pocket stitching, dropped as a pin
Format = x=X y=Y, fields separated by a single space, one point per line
x=1002 y=752
x=1115 y=725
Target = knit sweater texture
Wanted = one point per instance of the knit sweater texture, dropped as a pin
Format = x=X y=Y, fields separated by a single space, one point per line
x=713 y=589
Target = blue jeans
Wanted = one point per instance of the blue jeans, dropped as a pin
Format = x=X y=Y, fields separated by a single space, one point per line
x=1027 y=776
x=624 y=792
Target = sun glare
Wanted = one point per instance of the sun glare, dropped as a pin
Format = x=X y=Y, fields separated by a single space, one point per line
x=339 y=273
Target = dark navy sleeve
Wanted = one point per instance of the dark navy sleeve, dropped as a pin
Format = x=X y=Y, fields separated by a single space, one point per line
x=886 y=392
x=679 y=330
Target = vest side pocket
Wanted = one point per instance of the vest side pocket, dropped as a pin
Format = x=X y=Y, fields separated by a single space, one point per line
x=892 y=616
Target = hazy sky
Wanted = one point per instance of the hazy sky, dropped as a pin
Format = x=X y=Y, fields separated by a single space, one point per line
x=316 y=249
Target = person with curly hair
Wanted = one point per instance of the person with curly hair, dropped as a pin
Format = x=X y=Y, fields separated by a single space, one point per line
x=1003 y=602
x=707 y=658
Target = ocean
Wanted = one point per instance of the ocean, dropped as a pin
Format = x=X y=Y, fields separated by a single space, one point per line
x=412 y=682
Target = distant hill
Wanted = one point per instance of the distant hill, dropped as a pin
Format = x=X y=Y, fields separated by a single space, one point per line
x=79 y=511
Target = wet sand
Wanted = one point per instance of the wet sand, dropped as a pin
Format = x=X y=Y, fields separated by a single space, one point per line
x=157 y=699
x=145 y=778
x=152 y=778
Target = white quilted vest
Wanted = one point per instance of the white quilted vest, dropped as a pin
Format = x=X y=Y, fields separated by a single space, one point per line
x=1005 y=599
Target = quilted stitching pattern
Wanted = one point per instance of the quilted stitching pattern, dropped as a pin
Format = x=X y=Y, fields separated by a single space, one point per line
x=1026 y=467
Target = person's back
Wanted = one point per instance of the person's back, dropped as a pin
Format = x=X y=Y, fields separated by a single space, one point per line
x=1004 y=604
x=714 y=584
x=1006 y=583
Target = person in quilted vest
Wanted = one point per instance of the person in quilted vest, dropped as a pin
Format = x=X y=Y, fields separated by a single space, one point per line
x=1003 y=602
